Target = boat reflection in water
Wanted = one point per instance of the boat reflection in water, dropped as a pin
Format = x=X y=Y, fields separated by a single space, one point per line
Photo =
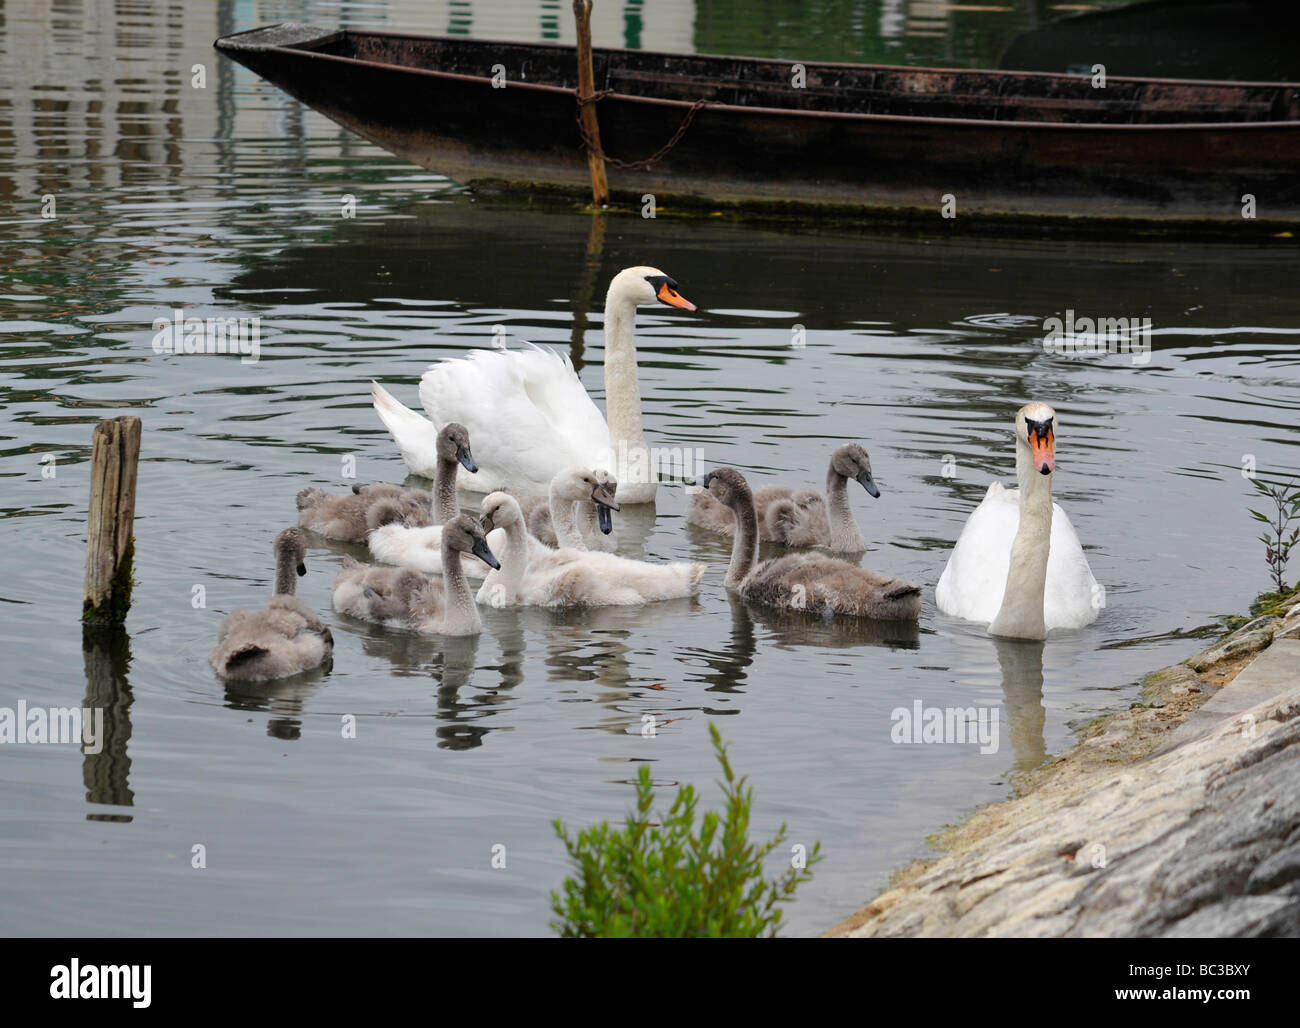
x=1242 y=40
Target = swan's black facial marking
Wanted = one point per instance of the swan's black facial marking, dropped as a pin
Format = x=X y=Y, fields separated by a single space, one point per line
x=1042 y=429
x=302 y=569
x=666 y=292
x=1042 y=443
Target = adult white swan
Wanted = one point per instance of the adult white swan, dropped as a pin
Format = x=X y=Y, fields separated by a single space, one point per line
x=1018 y=566
x=528 y=413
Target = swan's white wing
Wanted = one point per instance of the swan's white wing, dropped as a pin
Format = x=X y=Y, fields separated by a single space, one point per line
x=1072 y=597
x=527 y=413
x=565 y=578
x=415 y=435
x=975 y=578
x=421 y=548
x=972 y=584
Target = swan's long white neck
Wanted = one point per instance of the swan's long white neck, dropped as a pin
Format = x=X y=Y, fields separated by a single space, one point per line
x=587 y=515
x=501 y=588
x=1021 y=615
x=846 y=537
x=462 y=615
x=563 y=517
x=629 y=458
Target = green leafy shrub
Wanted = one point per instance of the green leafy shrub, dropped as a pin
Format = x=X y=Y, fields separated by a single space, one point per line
x=670 y=880
x=1278 y=543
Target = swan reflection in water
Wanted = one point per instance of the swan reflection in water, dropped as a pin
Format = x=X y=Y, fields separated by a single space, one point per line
x=1019 y=667
x=1021 y=663
x=449 y=661
x=599 y=645
x=282 y=698
x=792 y=628
x=466 y=694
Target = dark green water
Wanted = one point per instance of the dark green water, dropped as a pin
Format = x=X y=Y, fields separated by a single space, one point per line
x=227 y=200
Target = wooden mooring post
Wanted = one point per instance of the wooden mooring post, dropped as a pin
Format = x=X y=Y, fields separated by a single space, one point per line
x=110 y=546
x=587 y=109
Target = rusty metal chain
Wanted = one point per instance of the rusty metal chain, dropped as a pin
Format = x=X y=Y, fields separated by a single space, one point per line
x=648 y=162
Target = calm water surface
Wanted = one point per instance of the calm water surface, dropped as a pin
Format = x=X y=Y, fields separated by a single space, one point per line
x=227 y=200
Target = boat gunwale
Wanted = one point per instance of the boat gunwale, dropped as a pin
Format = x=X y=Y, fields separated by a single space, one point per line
x=786 y=111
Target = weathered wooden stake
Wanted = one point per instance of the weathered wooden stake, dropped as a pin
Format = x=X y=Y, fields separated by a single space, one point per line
x=587 y=89
x=110 y=546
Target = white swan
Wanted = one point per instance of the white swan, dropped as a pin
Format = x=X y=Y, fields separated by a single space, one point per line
x=1018 y=566
x=529 y=413
x=421 y=548
x=532 y=575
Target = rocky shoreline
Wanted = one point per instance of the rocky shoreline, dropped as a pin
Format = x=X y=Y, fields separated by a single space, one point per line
x=1177 y=817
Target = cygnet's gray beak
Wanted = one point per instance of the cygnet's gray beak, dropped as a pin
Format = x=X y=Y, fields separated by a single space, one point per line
x=484 y=553
x=467 y=459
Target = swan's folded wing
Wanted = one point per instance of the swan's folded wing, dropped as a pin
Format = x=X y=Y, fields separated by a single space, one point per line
x=527 y=413
x=705 y=512
x=1072 y=597
x=819 y=583
x=769 y=494
x=405 y=546
x=975 y=578
x=591 y=578
x=237 y=621
x=292 y=606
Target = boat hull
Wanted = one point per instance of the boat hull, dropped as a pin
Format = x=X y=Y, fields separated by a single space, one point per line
x=524 y=135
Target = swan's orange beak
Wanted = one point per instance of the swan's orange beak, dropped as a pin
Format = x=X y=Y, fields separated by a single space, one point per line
x=1044 y=446
x=667 y=294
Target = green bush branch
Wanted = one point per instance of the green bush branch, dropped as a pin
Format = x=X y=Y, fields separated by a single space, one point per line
x=1278 y=543
x=668 y=879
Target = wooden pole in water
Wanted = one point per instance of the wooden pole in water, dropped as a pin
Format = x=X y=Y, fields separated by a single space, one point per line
x=587 y=112
x=110 y=546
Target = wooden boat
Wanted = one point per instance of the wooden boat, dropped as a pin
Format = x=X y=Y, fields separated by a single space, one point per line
x=815 y=139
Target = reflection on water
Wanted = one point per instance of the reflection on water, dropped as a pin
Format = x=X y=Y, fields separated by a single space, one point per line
x=454 y=672
x=107 y=774
x=1021 y=662
x=791 y=628
x=283 y=699
x=226 y=200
